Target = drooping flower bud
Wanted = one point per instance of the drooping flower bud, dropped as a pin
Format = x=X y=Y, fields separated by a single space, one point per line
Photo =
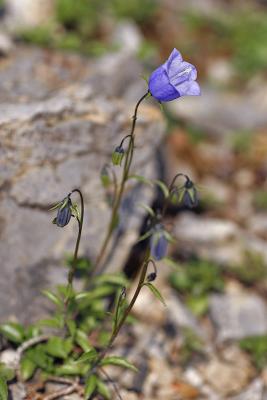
x=189 y=197
x=151 y=277
x=117 y=155
x=158 y=243
x=64 y=213
x=104 y=175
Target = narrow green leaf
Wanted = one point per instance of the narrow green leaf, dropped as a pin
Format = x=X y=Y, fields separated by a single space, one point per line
x=63 y=290
x=58 y=347
x=70 y=368
x=181 y=195
x=12 y=331
x=3 y=389
x=56 y=322
x=88 y=356
x=32 y=331
x=54 y=298
x=7 y=373
x=148 y=209
x=169 y=237
x=64 y=203
x=99 y=292
x=81 y=339
x=75 y=211
x=156 y=292
x=145 y=236
x=114 y=279
x=120 y=306
x=141 y=179
x=56 y=206
x=163 y=187
x=71 y=326
x=119 y=362
x=103 y=390
x=27 y=368
x=38 y=356
x=90 y=386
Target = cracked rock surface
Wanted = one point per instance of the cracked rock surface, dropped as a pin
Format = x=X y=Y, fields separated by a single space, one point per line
x=60 y=118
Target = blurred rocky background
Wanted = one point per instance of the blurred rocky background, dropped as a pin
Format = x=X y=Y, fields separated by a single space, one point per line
x=69 y=76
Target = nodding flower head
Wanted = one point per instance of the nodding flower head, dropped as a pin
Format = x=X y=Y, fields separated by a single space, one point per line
x=64 y=212
x=117 y=155
x=151 y=277
x=158 y=242
x=173 y=79
x=190 y=198
x=187 y=194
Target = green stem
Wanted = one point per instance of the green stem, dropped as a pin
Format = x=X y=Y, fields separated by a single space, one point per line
x=126 y=168
x=74 y=262
x=125 y=315
x=129 y=308
x=75 y=256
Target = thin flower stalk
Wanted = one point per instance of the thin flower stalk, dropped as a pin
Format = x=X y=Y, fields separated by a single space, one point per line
x=75 y=256
x=126 y=313
x=126 y=168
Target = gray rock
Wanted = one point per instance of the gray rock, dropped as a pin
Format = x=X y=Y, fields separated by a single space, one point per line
x=28 y=13
x=258 y=224
x=253 y=392
x=55 y=136
x=221 y=71
x=256 y=245
x=181 y=317
x=214 y=239
x=233 y=378
x=6 y=44
x=18 y=391
x=9 y=357
x=237 y=315
x=204 y=230
x=127 y=37
x=219 y=113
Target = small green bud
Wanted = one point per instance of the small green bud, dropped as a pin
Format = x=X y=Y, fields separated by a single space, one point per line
x=104 y=175
x=117 y=155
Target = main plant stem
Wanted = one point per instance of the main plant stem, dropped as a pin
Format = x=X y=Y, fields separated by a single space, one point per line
x=126 y=168
x=125 y=315
x=75 y=255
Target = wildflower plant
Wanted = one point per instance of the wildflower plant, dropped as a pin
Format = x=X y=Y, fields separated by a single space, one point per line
x=73 y=346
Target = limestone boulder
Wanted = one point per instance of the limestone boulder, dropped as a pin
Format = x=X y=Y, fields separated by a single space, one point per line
x=60 y=118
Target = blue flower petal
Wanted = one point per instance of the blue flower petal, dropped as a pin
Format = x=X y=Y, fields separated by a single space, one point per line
x=63 y=216
x=160 y=87
x=173 y=79
x=185 y=72
x=158 y=246
x=190 y=88
x=174 y=60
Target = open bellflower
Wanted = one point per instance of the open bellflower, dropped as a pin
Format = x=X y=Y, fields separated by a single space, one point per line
x=173 y=79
